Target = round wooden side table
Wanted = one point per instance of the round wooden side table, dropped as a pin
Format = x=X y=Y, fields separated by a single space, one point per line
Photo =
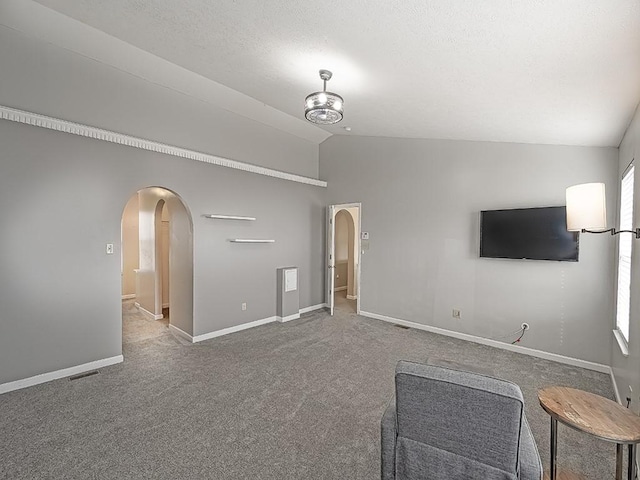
x=595 y=415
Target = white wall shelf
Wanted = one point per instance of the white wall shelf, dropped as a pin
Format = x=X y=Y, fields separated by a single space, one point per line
x=227 y=217
x=251 y=240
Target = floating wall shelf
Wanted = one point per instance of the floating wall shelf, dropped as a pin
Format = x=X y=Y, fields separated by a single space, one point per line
x=250 y=240
x=227 y=217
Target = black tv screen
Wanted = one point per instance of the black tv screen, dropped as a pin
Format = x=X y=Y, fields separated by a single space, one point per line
x=530 y=233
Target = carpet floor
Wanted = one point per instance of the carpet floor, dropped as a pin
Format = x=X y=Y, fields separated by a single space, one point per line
x=300 y=400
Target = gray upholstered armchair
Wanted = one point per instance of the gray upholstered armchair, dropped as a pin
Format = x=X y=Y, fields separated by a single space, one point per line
x=449 y=424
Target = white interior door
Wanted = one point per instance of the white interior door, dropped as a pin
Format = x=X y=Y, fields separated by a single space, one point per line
x=331 y=256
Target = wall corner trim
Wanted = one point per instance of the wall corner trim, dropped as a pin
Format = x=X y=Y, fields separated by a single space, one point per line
x=313 y=308
x=147 y=313
x=57 y=374
x=614 y=384
x=52 y=123
x=555 y=357
x=236 y=328
x=180 y=333
x=288 y=318
x=243 y=326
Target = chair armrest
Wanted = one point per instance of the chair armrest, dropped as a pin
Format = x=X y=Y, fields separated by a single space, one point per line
x=388 y=443
x=530 y=463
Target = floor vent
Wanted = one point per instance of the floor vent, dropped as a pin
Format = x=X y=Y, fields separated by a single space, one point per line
x=401 y=326
x=83 y=375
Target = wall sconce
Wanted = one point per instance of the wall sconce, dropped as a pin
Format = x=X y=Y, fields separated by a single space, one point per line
x=587 y=210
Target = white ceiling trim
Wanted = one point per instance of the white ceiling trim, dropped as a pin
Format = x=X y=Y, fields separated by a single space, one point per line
x=38 y=21
x=51 y=123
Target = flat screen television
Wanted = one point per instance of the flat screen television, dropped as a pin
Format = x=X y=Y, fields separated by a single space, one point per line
x=528 y=233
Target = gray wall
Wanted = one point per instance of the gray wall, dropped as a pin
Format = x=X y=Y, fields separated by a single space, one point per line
x=46 y=79
x=180 y=265
x=627 y=368
x=420 y=204
x=62 y=199
x=63 y=196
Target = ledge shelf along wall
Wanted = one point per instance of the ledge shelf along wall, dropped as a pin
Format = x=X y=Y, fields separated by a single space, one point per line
x=251 y=240
x=227 y=217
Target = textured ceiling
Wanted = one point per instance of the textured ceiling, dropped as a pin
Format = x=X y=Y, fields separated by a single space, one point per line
x=532 y=71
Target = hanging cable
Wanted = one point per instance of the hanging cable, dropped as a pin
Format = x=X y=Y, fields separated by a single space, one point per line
x=517 y=340
x=510 y=334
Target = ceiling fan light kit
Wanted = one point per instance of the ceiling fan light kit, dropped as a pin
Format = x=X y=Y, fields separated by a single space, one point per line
x=324 y=108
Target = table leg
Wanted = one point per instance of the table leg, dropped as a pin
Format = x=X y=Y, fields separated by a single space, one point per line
x=632 y=461
x=619 y=458
x=554 y=448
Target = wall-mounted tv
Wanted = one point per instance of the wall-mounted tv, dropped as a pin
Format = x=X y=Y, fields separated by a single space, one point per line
x=528 y=233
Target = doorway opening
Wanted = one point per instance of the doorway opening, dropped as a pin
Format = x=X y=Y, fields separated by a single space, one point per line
x=157 y=266
x=343 y=276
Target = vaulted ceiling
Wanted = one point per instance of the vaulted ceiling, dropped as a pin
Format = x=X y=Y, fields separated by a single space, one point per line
x=531 y=71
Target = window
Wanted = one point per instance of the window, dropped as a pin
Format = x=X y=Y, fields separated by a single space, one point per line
x=624 y=254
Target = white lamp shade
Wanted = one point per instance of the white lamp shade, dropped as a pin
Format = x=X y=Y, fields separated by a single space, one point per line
x=586 y=207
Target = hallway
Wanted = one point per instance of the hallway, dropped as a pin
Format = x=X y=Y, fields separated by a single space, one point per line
x=343 y=304
x=136 y=327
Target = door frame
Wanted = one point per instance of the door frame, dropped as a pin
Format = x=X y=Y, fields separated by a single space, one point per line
x=181 y=320
x=331 y=214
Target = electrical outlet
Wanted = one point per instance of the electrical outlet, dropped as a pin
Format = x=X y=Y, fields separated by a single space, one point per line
x=524 y=326
x=244 y=306
x=109 y=248
x=455 y=313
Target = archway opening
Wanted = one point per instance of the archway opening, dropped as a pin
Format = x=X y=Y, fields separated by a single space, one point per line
x=157 y=266
x=346 y=261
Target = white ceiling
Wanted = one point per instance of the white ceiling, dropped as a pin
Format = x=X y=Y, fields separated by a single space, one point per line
x=532 y=71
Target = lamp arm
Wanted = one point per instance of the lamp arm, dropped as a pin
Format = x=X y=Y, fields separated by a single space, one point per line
x=613 y=231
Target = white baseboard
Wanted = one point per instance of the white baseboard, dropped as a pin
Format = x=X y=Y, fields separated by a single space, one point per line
x=576 y=362
x=295 y=316
x=312 y=308
x=152 y=316
x=181 y=333
x=615 y=386
x=65 y=372
x=244 y=326
x=236 y=328
x=340 y=289
x=352 y=297
x=128 y=296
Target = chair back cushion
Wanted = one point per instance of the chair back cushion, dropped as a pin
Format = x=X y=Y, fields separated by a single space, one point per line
x=451 y=422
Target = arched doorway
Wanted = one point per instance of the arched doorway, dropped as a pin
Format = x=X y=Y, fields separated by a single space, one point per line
x=343 y=279
x=344 y=297
x=157 y=265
